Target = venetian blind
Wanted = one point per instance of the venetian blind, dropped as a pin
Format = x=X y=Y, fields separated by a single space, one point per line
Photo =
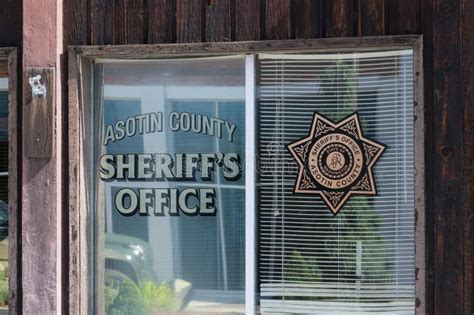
x=363 y=259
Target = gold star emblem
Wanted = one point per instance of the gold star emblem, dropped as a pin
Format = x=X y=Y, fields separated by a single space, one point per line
x=336 y=161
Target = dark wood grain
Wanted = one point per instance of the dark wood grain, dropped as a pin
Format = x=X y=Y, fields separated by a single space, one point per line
x=308 y=18
x=427 y=27
x=218 y=21
x=39 y=115
x=278 y=18
x=448 y=159
x=161 y=21
x=404 y=16
x=11 y=23
x=76 y=13
x=129 y=22
x=467 y=11
x=189 y=21
x=247 y=20
x=340 y=18
x=102 y=22
x=372 y=17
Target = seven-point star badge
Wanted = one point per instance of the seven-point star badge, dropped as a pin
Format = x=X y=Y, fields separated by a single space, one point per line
x=336 y=161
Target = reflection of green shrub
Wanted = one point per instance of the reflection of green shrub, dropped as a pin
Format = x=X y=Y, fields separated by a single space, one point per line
x=157 y=298
x=3 y=288
x=299 y=269
x=126 y=298
x=111 y=292
x=129 y=300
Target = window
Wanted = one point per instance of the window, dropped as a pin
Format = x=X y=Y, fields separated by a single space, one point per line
x=271 y=182
x=8 y=182
x=176 y=115
x=4 y=145
x=363 y=259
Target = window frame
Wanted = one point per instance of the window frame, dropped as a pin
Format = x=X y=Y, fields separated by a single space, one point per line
x=81 y=59
x=9 y=68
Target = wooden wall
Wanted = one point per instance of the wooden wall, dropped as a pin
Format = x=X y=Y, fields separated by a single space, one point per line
x=104 y=22
x=447 y=27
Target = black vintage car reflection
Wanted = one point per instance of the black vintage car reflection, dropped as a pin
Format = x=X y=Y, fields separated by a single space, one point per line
x=3 y=220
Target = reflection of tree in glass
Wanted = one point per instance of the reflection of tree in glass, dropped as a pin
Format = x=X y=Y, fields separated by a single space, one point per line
x=356 y=221
x=339 y=89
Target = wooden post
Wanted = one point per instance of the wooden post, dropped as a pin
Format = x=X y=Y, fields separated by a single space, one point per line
x=41 y=164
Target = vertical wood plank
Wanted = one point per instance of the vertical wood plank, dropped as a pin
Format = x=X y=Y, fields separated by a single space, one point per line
x=40 y=115
x=14 y=187
x=162 y=21
x=404 y=17
x=86 y=159
x=427 y=30
x=467 y=11
x=308 y=17
x=340 y=18
x=372 y=17
x=218 y=21
x=79 y=223
x=420 y=179
x=74 y=289
x=448 y=159
x=42 y=186
x=76 y=24
x=129 y=22
x=247 y=20
x=102 y=22
x=189 y=21
x=278 y=19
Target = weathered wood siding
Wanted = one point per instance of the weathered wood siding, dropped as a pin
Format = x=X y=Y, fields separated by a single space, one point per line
x=447 y=27
x=115 y=22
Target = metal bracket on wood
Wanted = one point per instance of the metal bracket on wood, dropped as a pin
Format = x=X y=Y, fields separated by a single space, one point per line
x=39 y=112
x=36 y=87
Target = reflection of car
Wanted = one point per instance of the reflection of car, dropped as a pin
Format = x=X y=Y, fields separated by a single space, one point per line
x=3 y=220
x=126 y=257
x=3 y=235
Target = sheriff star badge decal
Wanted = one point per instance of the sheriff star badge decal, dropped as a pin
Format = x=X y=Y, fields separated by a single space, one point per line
x=336 y=161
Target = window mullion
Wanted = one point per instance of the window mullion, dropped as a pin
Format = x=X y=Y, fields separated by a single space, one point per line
x=250 y=180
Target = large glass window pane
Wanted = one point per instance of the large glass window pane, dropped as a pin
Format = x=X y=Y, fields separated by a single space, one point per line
x=361 y=260
x=170 y=196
